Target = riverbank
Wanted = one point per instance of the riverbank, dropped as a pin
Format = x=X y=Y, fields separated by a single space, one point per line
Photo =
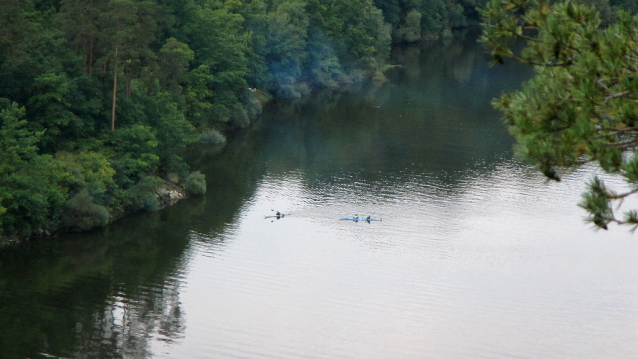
x=473 y=243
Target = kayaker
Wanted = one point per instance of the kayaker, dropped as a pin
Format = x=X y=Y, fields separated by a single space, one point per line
x=368 y=218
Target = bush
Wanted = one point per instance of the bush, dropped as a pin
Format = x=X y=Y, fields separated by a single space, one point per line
x=212 y=137
x=88 y=170
x=142 y=195
x=410 y=31
x=81 y=213
x=195 y=183
x=240 y=118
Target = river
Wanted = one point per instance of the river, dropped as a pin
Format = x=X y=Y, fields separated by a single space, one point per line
x=476 y=256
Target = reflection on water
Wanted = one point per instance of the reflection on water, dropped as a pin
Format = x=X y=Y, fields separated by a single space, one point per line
x=493 y=265
x=476 y=255
x=96 y=295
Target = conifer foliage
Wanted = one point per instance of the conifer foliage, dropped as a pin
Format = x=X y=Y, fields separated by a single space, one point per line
x=581 y=104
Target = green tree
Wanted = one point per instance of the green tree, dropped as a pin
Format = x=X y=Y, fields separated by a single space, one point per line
x=197 y=96
x=127 y=31
x=88 y=170
x=81 y=213
x=435 y=17
x=172 y=131
x=580 y=106
x=135 y=153
x=627 y=5
x=174 y=58
x=79 y=20
x=17 y=27
x=356 y=31
x=30 y=184
x=166 y=69
x=219 y=41
x=49 y=106
x=392 y=11
x=286 y=45
x=410 y=31
x=604 y=9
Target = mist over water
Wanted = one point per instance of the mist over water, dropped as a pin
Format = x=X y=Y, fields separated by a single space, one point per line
x=476 y=256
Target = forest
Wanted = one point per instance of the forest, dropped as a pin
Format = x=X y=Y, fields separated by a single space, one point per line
x=99 y=99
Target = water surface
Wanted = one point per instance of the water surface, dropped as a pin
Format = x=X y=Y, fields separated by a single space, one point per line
x=477 y=255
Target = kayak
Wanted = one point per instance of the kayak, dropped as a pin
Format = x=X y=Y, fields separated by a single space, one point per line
x=360 y=219
x=279 y=216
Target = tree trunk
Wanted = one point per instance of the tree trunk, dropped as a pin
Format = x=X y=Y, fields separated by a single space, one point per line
x=90 y=57
x=114 y=92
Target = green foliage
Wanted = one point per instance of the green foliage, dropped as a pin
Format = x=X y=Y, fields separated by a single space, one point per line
x=138 y=197
x=604 y=9
x=284 y=47
x=195 y=183
x=164 y=71
x=126 y=30
x=355 y=28
x=325 y=68
x=142 y=195
x=581 y=104
x=30 y=184
x=212 y=137
x=134 y=154
x=217 y=37
x=89 y=171
x=18 y=28
x=627 y=5
x=410 y=31
x=174 y=58
x=198 y=92
x=172 y=131
x=81 y=213
x=438 y=17
x=51 y=100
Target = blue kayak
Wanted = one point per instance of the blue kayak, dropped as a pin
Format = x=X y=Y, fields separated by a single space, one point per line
x=360 y=219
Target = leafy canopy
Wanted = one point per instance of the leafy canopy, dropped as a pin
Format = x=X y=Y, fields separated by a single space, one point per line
x=99 y=99
x=581 y=105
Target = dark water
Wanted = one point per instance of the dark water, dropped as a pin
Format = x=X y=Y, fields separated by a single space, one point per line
x=476 y=257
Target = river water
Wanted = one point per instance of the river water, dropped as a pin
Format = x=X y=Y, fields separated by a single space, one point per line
x=476 y=256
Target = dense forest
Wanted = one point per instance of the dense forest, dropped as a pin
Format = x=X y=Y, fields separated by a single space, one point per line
x=100 y=98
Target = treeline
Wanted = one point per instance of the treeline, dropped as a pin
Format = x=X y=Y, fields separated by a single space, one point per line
x=99 y=98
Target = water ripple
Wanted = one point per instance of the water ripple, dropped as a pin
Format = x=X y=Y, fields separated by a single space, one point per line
x=450 y=259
